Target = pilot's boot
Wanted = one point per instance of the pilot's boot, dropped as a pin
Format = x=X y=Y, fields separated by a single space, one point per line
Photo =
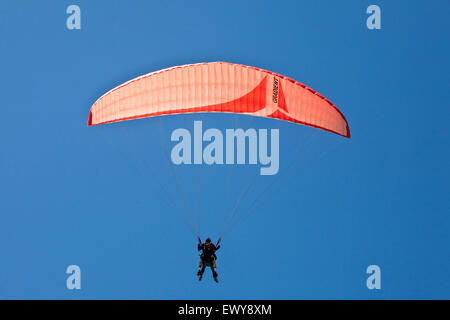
x=200 y=272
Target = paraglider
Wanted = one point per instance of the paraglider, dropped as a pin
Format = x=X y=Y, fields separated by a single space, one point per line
x=217 y=87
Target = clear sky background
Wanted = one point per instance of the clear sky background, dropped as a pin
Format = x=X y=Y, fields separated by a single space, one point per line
x=95 y=196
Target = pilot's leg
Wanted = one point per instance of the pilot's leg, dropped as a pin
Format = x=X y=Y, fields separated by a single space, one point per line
x=213 y=268
x=201 y=268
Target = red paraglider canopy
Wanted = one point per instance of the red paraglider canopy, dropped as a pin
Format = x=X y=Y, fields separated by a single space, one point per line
x=218 y=87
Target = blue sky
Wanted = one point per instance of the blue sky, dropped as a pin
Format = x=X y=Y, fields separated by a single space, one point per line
x=94 y=196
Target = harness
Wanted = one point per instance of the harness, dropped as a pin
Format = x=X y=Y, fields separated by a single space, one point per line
x=208 y=252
